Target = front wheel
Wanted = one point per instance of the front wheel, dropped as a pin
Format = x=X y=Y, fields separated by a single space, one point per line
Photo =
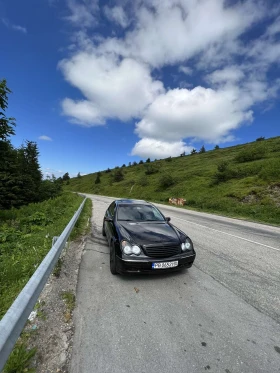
x=103 y=231
x=113 y=266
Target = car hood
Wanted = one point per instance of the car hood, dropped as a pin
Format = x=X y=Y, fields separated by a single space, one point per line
x=143 y=233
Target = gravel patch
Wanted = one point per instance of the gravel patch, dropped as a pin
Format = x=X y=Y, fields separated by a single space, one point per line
x=52 y=328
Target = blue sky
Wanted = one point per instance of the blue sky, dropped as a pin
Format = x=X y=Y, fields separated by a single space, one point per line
x=98 y=84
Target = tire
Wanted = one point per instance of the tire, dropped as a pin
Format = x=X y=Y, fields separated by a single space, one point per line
x=113 y=268
x=103 y=231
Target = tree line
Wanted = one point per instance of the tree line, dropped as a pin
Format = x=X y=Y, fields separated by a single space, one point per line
x=21 y=179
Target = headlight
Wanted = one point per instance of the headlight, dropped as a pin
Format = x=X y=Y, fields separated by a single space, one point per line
x=128 y=249
x=187 y=245
x=136 y=250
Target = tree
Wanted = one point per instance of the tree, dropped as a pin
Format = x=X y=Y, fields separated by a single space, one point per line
x=66 y=177
x=260 y=138
x=141 y=162
x=108 y=170
x=134 y=163
x=97 y=180
x=202 y=149
x=148 y=160
x=216 y=147
x=29 y=171
x=9 y=180
x=79 y=175
x=123 y=165
x=129 y=163
x=193 y=151
x=6 y=124
x=50 y=187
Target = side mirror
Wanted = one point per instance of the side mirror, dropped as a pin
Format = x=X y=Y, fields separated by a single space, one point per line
x=108 y=219
x=167 y=219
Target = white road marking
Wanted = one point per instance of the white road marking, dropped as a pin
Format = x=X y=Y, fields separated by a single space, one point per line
x=232 y=235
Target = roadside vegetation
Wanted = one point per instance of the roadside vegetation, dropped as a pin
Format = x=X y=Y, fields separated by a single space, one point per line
x=25 y=239
x=241 y=181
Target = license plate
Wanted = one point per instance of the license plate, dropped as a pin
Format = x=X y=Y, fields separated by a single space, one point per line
x=165 y=265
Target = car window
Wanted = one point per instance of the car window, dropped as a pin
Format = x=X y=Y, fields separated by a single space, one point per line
x=112 y=208
x=139 y=213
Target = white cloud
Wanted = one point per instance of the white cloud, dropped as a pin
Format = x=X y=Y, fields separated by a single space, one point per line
x=113 y=88
x=117 y=15
x=159 y=149
x=83 y=13
x=186 y=70
x=12 y=26
x=230 y=74
x=169 y=32
x=46 y=138
x=198 y=113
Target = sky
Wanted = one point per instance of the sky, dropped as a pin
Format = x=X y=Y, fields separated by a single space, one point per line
x=99 y=84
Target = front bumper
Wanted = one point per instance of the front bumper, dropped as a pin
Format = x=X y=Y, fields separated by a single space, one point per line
x=144 y=265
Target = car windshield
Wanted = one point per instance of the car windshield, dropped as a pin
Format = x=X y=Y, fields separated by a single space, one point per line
x=139 y=213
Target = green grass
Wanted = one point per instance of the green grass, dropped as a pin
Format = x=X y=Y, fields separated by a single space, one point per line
x=250 y=189
x=25 y=238
x=69 y=300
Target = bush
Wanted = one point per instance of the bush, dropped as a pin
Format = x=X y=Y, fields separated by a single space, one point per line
x=169 y=159
x=224 y=173
x=118 y=175
x=250 y=154
x=143 y=181
x=260 y=138
x=151 y=169
x=166 y=180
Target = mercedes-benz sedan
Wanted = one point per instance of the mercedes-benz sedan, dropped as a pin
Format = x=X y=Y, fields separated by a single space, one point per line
x=142 y=239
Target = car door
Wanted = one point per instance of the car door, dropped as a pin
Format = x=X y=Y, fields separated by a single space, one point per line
x=109 y=225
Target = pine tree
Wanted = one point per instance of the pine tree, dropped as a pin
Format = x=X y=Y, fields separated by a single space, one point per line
x=193 y=151
x=66 y=177
x=202 y=149
x=97 y=180
x=6 y=124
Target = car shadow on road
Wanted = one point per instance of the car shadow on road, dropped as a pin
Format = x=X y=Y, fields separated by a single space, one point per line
x=154 y=276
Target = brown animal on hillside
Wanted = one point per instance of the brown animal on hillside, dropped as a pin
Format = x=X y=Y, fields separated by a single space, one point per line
x=181 y=201
x=177 y=201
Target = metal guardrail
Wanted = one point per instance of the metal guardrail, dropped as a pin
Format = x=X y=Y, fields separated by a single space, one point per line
x=14 y=320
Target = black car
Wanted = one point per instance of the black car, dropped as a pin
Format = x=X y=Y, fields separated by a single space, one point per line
x=142 y=240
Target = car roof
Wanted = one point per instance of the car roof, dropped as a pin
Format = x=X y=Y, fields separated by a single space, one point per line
x=130 y=201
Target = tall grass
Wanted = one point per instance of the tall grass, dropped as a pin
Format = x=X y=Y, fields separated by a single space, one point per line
x=26 y=237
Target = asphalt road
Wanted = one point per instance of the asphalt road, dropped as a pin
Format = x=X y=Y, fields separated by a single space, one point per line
x=222 y=315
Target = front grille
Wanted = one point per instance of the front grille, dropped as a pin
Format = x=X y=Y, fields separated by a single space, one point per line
x=161 y=251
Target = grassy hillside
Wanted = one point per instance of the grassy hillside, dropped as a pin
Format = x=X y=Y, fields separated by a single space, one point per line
x=241 y=181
